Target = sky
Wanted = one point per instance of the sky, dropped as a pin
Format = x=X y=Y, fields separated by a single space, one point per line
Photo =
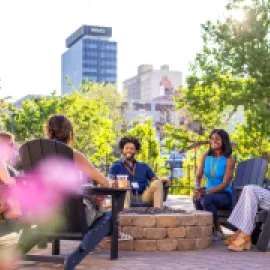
x=33 y=33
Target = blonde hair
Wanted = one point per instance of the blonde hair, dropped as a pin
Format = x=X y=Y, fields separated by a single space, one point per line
x=4 y=135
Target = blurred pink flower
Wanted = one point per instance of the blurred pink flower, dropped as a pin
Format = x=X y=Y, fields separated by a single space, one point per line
x=42 y=192
x=61 y=174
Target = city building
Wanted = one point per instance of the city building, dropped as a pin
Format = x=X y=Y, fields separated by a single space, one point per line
x=160 y=111
x=90 y=55
x=18 y=103
x=150 y=83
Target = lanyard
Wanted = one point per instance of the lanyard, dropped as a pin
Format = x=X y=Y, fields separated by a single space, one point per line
x=132 y=172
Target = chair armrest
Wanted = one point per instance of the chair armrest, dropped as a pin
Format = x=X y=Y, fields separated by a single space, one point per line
x=238 y=187
x=262 y=215
x=267 y=183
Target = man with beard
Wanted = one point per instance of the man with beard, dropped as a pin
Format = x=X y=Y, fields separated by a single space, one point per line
x=142 y=179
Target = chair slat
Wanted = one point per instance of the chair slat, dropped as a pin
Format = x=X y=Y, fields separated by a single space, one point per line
x=25 y=157
x=32 y=153
x=251 y=171
x=48 y=148
x=63 y=150
x=35 y=151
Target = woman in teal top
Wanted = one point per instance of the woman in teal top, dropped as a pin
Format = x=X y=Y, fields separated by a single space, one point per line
x=217 y=165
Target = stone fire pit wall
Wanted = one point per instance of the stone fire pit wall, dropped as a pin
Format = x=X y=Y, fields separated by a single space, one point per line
x=166 y=232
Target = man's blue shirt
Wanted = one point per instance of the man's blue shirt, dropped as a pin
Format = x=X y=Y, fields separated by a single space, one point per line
x=143 y=173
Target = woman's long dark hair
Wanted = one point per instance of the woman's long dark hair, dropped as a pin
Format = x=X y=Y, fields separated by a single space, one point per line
x=226 y=143
x=59 y=128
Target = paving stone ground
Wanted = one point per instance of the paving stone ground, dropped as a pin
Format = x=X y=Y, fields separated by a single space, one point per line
x=215 y=257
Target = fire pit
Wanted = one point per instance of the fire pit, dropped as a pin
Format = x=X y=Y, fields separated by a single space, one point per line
x=164 y=230
x=152 y=211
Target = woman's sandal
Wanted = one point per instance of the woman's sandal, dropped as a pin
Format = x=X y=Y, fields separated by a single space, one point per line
x=241 y=243
x=229 y=240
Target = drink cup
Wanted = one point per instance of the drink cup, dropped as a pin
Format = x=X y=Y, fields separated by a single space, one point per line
x=112 y=180
x=122 y=180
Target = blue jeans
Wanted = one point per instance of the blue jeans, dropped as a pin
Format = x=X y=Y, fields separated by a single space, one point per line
x=213 y=202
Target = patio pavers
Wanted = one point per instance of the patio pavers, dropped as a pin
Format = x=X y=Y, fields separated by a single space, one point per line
x=215 y=257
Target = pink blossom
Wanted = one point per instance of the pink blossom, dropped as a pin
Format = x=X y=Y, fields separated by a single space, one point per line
x=42 y=192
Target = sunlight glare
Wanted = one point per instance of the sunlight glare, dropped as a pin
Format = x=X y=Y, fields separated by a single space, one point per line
x=238 y=14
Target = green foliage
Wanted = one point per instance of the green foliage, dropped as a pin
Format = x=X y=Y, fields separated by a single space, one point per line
x=94 y=117
x=150 y=149
x=176 y=138
x=235 y=59
x=29 y=120
x=4 y=112
x=229 y=74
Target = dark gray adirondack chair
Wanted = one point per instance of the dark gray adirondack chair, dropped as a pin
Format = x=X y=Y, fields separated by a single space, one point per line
x=261 y=234
x=248 y=172
x=75 y=228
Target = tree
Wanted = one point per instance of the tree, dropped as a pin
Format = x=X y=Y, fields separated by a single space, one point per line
x=28 y=121
x=94 y=129
x=231 y=73
x=110 y=97
x=150 y=148
x=242 y=49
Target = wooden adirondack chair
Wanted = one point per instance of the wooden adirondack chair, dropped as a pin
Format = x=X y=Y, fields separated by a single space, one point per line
x=75 y=228
x=248 y=172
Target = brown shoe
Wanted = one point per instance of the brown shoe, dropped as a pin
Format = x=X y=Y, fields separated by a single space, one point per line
x=241 y=243
x=229 y=240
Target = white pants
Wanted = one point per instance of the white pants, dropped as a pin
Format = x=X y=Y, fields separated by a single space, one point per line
x=252 y=198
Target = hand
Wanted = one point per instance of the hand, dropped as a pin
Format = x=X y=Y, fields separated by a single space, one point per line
x=199 y=192
x=165 y=181
x=115 y=184
x=203 y=192
x=196 y=194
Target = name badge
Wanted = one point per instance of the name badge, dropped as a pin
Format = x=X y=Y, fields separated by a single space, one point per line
x=135 y=185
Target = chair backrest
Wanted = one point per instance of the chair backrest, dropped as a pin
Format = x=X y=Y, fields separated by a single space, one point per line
x=249 y=172
x=31 y=153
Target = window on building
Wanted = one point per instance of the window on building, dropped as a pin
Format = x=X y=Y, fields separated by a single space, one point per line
x=162 y=116
x=94 y=70
x=168 y=116
x=110 y=71
x=89 y=74
x=91 y=64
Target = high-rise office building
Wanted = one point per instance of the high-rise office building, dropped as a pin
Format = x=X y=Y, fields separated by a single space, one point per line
x=90 y=55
